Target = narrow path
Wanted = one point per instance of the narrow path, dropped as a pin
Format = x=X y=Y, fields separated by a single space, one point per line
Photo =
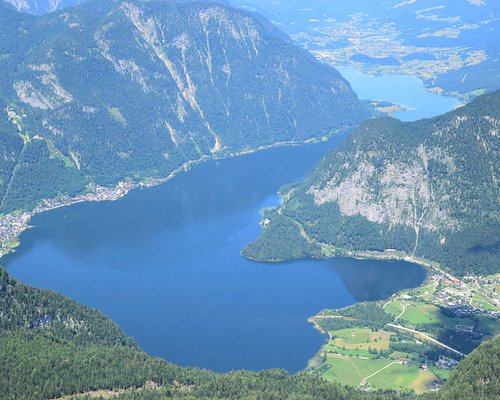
x=356 y=368
x=427 y=337
x=376 y=372
x=389 y=302
x=327 y=317
x=402 y=312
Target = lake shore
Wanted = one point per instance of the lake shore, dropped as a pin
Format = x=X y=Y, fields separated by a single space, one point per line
x=14 y=224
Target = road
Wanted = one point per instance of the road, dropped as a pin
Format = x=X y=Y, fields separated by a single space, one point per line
x=376 y=372
x=428 y=338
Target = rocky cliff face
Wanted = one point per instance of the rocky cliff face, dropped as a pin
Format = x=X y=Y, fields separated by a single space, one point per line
x=111 y=90
x=427 y=185
x=428 y=188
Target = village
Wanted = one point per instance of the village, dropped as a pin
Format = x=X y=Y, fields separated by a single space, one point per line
x=420 y=341
x=12 y=225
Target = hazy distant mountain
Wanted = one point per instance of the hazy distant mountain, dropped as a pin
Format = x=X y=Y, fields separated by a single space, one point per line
x=427 y=188
x=39 y=7
x=111 y=90
x=450 y=44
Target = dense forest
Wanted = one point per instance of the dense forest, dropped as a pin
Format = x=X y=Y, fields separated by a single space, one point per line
x=478 y=376
x=367 y=315
x=23 y=308
x=427 y=188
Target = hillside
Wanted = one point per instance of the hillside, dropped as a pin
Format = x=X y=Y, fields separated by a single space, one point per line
x=428 y=189
x=450 y=45
x=126 y=90
x=477 y=376
x=39 y=7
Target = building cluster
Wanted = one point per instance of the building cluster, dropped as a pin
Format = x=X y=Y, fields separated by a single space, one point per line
x=12 y=225
x=458 y=297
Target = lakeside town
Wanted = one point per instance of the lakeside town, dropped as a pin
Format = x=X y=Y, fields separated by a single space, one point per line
x=379 y=47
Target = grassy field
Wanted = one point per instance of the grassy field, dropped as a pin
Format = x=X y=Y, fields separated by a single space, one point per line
x=358 y=342
x=423 y=381
x=381 y=374
x=399 y=354
x=419 y=313
x=368 y=367
x=427 y=293
x=330 y=348
x=362 y=338
x=351 y=370
x=422 y=313
x=394 y=308
x=342 y=370
x=441 y=373
x=481 y=302
x=402 y=376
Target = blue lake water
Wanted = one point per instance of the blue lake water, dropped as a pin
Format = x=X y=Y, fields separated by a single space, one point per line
x=404 y=90
x=164 y=263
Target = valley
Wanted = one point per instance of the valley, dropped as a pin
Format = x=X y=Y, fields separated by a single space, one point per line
x=195 y=205
x=186 y=262
x=450 y=45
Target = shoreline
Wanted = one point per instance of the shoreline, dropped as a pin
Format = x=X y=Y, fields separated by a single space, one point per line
x=426 y=82
x=14 y=224
x=386 y=255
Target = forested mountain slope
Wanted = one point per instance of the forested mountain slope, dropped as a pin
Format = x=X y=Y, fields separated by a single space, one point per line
x=114 y=90
x=28 y=309
x=478 y=376
x=40 y=7
x=427 y=188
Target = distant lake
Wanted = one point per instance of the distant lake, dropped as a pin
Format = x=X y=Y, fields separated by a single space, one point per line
x=404 y=90
x=164 y=263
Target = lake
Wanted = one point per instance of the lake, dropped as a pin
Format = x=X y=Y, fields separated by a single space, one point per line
x=403 y=90
x=165 y=264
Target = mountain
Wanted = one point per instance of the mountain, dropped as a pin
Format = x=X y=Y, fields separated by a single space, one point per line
x=427 y=189
x=128 y=90
x=39 y=7
x=451 y=45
